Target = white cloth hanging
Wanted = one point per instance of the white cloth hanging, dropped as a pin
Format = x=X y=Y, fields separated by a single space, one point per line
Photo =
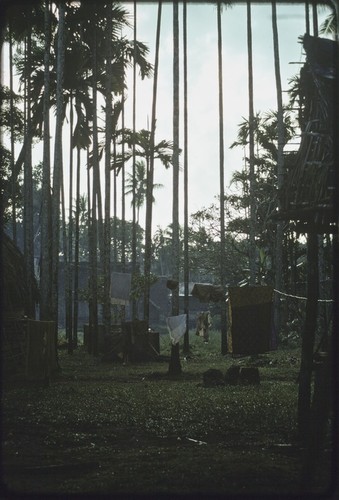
x=176 y=326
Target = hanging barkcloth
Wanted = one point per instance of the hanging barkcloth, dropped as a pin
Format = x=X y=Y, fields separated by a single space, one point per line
x=250 y=320
x=203 y=324
x=176 y=326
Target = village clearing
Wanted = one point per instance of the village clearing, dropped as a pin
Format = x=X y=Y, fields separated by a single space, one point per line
x=108 y=428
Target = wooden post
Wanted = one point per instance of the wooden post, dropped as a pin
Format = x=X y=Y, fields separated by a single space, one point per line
x=305 y=376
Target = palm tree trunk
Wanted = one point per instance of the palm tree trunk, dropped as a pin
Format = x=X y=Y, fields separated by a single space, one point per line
x=315 y=19
x=252 y=247
x=222 y=185
x=150 y=175
x=76 y=253
x=46 y=209
x=307 y=16
x=93 y=286
x=57 y=165
x=174 y=365
x=123 y=198
x=28 y=187
x=186 y=261
x=13 y=180
x=66 y=265
x=68 y=275
x=115 y=258
x=280 y=167
x=134 y=227
x=108 y=139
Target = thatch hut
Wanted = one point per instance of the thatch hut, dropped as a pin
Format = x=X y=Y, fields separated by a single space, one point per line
x=308 y=194
x=17 y=301
x=16 y=298
x=310 y=202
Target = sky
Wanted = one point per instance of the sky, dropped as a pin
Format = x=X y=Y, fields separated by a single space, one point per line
x=203 y=121
x=203 y=107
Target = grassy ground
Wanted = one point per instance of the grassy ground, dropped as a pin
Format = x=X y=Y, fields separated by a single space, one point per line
x=109 y=428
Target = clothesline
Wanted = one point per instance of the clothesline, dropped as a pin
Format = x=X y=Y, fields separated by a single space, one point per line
x=300 y=298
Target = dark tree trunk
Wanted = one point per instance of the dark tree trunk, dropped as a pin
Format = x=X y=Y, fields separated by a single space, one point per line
x=174 y=365
x=315 y=18
x=68 y=275
x=93 y=285
x=134 y=226
x=67 y=291
x=252 y=247
x=76 y=253
x=186 y=261
x=46 y=209
x=150 y=175
x=13 y=180
x=108 y=139
x=280 y=169
x=305 y=376
x=222 y=185
x=28 y=187
x=57 y=164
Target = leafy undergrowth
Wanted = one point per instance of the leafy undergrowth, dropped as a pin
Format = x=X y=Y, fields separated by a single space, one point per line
x=109 y=428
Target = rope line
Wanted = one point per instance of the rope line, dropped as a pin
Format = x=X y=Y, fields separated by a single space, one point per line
x=301 y=298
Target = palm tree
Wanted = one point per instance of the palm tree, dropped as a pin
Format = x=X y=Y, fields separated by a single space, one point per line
x=140 y=144
x=280 y=163
x=329 y=26
x=150 y=174
x=174 y=365
x=138 y=186
x=95 y=200
x=12 y=130
x=186 y=261
x=108 y=140
x=57 y=162
x=252 y=246
x=315 y=18
x=28 y=174
x=46 y=219
x=134 y=227
x=222 y=184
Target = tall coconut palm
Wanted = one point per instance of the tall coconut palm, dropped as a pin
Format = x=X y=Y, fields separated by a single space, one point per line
x=140 y=144
x=150 y=174
x=108 y=140
x=186 y=261
x=57 y=161
x=11 y=40
x=222 y=182
x=280 y=162
x=315 y=18
x=174 y=365
x=134 y=226
x=307 y=16
x=137 y=187
x=252 y=246
x=93 y=227
x=46 y=219
x=28 y=174
x=76 y=250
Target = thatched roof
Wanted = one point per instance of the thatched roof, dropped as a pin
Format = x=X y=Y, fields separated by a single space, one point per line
x=308 y=194
x=16 y=297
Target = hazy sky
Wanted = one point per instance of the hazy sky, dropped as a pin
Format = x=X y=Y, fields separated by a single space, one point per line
x=203 y=124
